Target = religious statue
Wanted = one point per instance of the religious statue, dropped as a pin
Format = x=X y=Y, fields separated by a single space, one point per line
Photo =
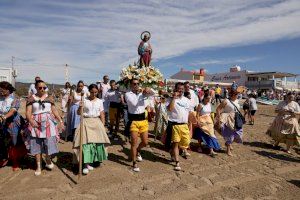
x=145 y=50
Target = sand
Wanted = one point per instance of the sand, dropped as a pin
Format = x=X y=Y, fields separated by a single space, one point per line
x=256 y=171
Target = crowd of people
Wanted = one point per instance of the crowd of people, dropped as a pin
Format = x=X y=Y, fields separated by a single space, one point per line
x=96 y=111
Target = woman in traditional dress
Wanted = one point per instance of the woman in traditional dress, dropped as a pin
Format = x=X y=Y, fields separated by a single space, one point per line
x=94 y=134
x=44 y=122
x=226 y=120
x=73 y=117
x=285 y=127
x=11 y=143
x=192 y=121
x=65 y=93
x=162 y=116
x=205 y=130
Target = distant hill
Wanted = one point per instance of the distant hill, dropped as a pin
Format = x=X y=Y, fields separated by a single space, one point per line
x=22 y=88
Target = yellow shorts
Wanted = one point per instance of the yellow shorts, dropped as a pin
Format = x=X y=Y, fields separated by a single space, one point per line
x=181 y=134
x=139 y=126
x=113 y=114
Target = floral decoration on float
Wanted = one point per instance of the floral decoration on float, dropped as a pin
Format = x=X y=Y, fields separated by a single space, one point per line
x=148 y=76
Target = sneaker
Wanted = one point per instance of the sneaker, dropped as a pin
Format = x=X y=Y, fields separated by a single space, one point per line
x=50 y=166
x=38 y=172
x=90 y=168
x=135 y=168
x=85 y=171
x=177 y=167
x=139 y=158
x=185 y=154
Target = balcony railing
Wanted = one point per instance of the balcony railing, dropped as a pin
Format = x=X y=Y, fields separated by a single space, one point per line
x=260 y=84
x=267 y=84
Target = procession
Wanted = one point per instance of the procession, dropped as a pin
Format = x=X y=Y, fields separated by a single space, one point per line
x=150 y=100
x=90 y=118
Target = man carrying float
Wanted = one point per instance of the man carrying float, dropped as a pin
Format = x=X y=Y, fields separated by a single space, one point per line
x=138 y=124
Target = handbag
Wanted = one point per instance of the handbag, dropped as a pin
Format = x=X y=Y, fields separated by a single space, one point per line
x=239 y=119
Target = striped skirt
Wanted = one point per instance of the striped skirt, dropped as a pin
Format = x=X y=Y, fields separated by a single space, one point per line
x=47 y=126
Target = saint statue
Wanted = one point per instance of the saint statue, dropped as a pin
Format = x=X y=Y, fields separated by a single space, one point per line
x=145 y=50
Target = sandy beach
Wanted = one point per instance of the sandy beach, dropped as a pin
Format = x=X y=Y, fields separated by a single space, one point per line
x=256 y=171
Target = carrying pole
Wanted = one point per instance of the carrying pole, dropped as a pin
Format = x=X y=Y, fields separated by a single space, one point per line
x=81 y=137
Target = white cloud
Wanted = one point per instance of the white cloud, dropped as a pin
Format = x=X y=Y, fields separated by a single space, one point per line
x=226 y=61
x=103 y=35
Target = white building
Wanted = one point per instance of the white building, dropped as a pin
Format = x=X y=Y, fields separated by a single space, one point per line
x=250 y=79
x=272 y=80
x=8 y=74
x=235 y=74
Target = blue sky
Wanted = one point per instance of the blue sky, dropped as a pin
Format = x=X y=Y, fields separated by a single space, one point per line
x=100 y=37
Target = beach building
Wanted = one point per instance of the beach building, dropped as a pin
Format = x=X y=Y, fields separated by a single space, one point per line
x=197 y=76
x=234 y=74
x=272 y=80
x=250 y=79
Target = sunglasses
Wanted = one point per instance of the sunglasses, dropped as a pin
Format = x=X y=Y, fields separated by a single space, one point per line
x=42 y=88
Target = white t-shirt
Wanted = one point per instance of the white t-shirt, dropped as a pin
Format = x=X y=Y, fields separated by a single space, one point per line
x=180 y=114
x=105 y=88
x=32 y=89
x=113 y=96
x=136 y=102
x=92 y=108
x=252 y=104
